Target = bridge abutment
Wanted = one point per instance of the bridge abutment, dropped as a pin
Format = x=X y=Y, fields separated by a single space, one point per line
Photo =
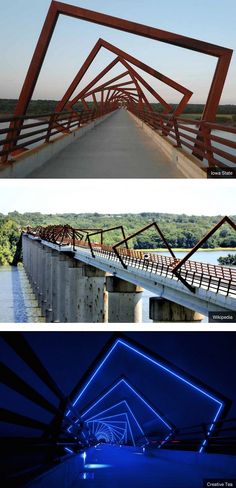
x=163 y=310
x=124 y=301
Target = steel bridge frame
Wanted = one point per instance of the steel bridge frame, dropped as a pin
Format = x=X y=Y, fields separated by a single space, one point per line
x=222 y=54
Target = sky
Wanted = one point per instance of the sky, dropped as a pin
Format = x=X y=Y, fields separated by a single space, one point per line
x=210 y=20
x=192 y=197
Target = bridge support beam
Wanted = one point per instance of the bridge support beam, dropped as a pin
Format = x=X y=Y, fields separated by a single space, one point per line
x=124 y=301
x=162 y=310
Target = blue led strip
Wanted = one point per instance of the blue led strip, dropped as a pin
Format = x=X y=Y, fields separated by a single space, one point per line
x=94 y=374
x=164 y=368
x=115 y=428
x=69 y=450
x=114 y=406
x=113 y=416
x=127 y=406
x=132 y=414
x=134 y=392
x=118 y=431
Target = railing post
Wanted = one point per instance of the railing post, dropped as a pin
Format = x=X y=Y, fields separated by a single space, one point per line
x=178 y=140
x=206 y=132
x=50 y=126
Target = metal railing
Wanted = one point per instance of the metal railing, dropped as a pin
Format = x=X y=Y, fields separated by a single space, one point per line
x=214 y=278
x=39 y=129
x=196 y=137
x=222 y=439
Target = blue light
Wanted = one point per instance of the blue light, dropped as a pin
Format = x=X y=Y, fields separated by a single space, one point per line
x=115 y=433
x=94 y=374
x=210 y=429
x=97 y=466
x=137 y=394
x=116 y=421
x=84 y=455
x=69 y=450
x=114 y=406
x=158 y=364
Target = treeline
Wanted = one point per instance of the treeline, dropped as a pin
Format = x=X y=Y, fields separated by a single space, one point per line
x=39 y=107
x=181 y=231
x=197 y=108
x=36 y=107
x=229 y=260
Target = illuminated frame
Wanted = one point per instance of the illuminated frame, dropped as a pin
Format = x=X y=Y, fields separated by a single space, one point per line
x=220 y=404
x=112 y=417
x=123 y=402
x=118 y=433
x=134 y=392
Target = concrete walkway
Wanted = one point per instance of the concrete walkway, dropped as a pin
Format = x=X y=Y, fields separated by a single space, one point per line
x=117 y=148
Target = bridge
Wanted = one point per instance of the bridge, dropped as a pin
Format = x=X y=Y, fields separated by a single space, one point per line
x=115 y=411
x=78 y=278
x=162 y=143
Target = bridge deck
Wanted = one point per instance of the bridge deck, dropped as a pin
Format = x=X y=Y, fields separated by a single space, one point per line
x=116 y=148
x=107 y=466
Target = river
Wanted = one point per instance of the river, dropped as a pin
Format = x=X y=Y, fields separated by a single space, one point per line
x=18 y=304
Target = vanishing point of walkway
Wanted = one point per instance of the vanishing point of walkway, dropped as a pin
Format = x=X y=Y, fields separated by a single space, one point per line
x=116 y=148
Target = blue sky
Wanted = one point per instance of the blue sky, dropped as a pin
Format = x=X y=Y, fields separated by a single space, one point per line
x=210 y=20
x=198 y=197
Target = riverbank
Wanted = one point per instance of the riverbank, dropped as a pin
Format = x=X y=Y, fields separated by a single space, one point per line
x=181 y=249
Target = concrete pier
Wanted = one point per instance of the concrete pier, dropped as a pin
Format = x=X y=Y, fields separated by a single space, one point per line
x=124 y=301
x=162 y=310
x=67 y=289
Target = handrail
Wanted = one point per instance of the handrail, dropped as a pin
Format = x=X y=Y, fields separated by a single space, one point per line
x=200 y=141
x=48 y=125
x=215 y=278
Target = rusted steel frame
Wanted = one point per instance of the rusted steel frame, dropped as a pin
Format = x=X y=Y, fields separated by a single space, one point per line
x=142 y=96
x=57 y=8
x=202 y=241
x=223 y=54
x=122 y=91
x=107 y=84
x=103 y=231
x=94 y=81
x=33 y=72
x=95 y=100
x=137 y=76
x=139 y=64
x=112 y=87
x=120 y=96
x=108 y=94
x=124 y=84
x=85 y=104
x=153 y=224
x=163 y=78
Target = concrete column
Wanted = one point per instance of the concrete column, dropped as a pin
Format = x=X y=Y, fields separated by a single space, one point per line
x=58 y=290
x=162 y=310
x=84 y=293
x=124 y=301
x=50 y=282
